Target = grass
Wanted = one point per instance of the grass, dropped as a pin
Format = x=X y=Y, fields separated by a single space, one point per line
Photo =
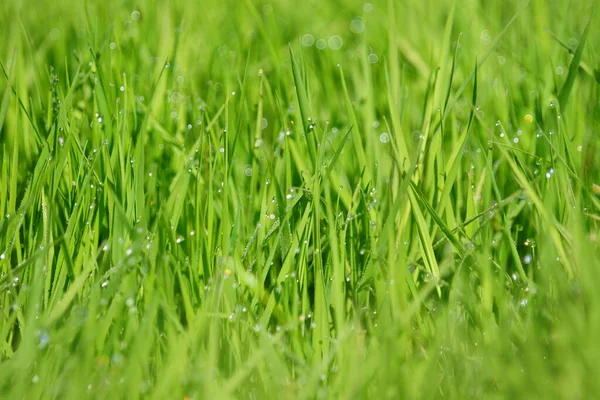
x=243 y=199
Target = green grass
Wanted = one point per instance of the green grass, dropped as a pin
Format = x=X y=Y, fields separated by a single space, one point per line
x=313 y=199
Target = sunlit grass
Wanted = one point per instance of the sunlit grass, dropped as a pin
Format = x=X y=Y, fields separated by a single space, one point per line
x=299 y=200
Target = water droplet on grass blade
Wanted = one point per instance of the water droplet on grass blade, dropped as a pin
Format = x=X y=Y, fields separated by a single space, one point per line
x=44 y=340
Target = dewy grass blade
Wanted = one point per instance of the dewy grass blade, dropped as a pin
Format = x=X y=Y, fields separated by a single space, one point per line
x=565 y=91
x=192 y=207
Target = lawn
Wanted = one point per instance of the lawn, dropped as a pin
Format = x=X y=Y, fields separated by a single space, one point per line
x=299 y=199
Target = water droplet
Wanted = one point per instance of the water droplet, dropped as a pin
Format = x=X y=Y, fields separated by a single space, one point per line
x=308 y=40
x=44 y=340
x=357 y=25
x=135 y=15
x=485 y=37
x=524 y=302
x=384 y=137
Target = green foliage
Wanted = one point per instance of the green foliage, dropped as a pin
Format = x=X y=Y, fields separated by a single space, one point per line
x=314 y=199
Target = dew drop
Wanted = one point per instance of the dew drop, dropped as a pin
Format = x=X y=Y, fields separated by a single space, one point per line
x=357 y=25
x=308 y=40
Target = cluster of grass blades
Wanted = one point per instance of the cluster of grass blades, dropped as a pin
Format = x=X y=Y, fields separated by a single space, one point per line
x=272 y=200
